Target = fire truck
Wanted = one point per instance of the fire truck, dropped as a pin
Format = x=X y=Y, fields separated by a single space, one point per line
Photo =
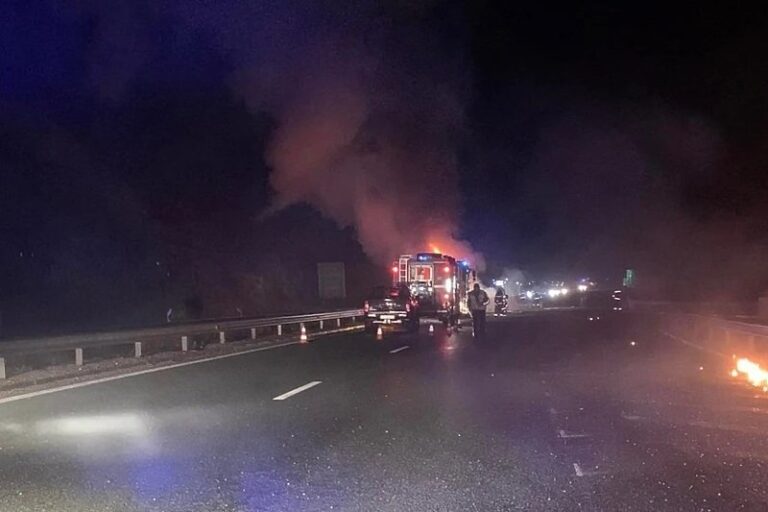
x=438 y=282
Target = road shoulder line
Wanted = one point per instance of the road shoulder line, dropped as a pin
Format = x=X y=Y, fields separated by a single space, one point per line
x=76 y=385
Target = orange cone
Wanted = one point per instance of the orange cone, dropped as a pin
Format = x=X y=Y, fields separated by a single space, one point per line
x=303 y=338
x=379 y=334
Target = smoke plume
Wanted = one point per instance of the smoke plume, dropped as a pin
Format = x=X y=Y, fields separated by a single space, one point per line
x=369 y=119
x=367 y=98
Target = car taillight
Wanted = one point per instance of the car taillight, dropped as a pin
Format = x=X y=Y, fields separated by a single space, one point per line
x=366 y=307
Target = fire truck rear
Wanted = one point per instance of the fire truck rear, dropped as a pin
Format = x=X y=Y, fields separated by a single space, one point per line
x=438 y=282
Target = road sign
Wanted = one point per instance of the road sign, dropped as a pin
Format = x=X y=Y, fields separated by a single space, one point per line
x=331 y=280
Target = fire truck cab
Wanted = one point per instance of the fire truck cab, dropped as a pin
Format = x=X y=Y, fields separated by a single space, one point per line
x=438 y=282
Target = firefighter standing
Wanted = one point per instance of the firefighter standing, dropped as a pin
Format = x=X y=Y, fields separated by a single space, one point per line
x=477 y=300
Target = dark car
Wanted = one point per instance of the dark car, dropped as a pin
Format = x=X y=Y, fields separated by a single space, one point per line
x=391 y=307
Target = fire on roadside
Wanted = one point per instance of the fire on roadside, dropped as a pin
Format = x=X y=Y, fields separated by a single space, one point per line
x=752 y=371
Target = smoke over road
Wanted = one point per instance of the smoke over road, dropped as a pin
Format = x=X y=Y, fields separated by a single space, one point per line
x=367 y=99
x=368 y=125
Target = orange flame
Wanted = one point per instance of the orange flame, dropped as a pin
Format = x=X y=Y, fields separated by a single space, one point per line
x=752 y=371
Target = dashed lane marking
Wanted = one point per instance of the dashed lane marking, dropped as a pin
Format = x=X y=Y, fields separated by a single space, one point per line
x=298 y=390
x=399 y=349
x=562 y=434
x=580 y=472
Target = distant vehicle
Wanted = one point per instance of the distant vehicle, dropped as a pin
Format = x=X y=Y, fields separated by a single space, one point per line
x=391 y=307
x=604 y=300
x=439 y=283
x=530 y=299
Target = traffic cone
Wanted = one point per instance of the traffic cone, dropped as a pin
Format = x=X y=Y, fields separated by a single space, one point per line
x=303 y=338
x=379 y=334
x=431 y=329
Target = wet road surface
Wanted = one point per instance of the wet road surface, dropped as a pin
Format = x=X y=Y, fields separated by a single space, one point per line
x=555 y=412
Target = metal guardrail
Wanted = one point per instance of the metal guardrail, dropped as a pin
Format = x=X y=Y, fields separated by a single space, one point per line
x=184 y=332
x=719 y=334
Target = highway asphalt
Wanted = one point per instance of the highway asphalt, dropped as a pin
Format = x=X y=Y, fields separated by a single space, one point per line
x=555 y=412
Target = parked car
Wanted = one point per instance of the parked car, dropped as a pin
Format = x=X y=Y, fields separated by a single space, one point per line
x=391 y=307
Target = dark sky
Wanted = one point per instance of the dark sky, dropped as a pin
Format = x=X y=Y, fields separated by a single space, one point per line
x=562 y=141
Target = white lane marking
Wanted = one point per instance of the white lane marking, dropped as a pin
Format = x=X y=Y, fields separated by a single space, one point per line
x=76 y=385
x=580 y=472
x=562 y=434
x=399 y=349
x=631 y=417
x=298 y=390
x=727 y=427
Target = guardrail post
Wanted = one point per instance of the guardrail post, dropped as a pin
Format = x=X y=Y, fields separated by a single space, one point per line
x=2 y=368
x=338 y=322
x=279 y=330
x=137 y=349
x=222 y=337
x=78 y=357
x=321 y=325
x=184 y=343
x=253 y=333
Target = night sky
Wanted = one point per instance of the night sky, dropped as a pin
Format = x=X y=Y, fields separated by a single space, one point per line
x=167 y=153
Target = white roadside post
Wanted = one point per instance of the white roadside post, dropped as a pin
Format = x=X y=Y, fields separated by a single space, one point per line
x=279 y=330
x=253 y=333
x=137 y=349
x=184 y=343
x=2 y=368
x=78 y=357
x=321 y=325
x=222 y=337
